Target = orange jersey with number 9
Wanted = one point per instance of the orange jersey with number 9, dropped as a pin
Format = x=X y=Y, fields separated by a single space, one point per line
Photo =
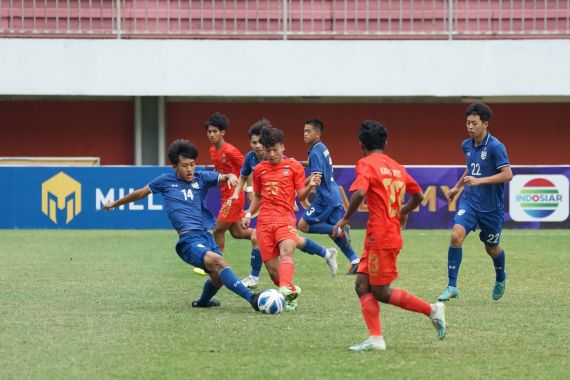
x=385 y=182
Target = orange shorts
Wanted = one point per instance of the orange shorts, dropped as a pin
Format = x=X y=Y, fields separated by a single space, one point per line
x=379 y=264
x=270 y=235
x=233 y=213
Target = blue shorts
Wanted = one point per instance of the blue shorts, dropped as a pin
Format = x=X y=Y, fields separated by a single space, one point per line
x=490 y=223
x=192 y=247
x=319 y=213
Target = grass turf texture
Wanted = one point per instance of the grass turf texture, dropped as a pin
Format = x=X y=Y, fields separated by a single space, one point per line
x=116 y=304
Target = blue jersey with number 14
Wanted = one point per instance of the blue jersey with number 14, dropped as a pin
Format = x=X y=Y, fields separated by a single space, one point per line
x=484 y=161
x=186 y=201
x=320 y=161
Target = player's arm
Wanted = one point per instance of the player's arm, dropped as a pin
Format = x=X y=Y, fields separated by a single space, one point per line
x=253 y=209
x=230 y=179
x=355 y=201
x=452 y=193
x=411 y=204
x=314 y=181
x=129 y=198
x=241 y=182
x=249 y=189
x=505 y=174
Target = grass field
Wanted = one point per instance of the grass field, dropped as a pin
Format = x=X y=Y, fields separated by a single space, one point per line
x=116 y=304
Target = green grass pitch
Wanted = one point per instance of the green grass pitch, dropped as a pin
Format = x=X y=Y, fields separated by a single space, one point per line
x=116 y=304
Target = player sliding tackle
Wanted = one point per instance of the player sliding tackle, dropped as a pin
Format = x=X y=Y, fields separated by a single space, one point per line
x=184 y=193
x=383 y=182
x=275 y=184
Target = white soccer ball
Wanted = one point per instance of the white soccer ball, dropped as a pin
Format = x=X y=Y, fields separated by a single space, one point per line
x=270 y=301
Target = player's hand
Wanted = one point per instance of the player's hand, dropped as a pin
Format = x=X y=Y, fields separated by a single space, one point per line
x=471 y=181
x=245 y=221
x=452 y=193
x=232 y=199
x=403 y=220
x=339 y=226
x=232 y=180
x=109 y=206
x=315 y=179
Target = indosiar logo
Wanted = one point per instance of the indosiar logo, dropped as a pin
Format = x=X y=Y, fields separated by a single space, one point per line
x=539 y=198
x=61 y=192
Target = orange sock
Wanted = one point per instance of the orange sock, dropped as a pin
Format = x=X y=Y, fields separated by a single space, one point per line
x=286 y=271
x=371 y=314
x=408 y=301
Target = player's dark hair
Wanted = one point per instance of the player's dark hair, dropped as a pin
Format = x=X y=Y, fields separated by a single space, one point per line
x=316 y=123
x=218 y=120
x=271 y=137
x=480 y=109
x=372 y=135
x=182 y=148
x=257 y=127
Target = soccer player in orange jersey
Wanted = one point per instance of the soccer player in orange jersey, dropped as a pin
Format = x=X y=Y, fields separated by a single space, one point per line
x=226 y=159
x=383 y=182
x=275 y=184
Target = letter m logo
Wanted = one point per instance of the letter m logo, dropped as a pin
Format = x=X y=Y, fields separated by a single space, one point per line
x=61 y=192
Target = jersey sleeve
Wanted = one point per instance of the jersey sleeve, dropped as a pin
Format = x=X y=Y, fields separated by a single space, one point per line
x=210 y=178
x=316 y=163
x=246 y=167
x=298 y=175
x=362 y=180
x=500 y=155
x=156 y=186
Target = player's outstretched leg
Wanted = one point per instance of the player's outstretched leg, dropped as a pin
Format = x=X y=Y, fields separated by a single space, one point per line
x=216 y=263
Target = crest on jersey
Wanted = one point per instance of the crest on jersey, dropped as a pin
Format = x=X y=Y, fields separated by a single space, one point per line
x=223 y=158
x=286 y=170
x=483 y=154
x=195 y=185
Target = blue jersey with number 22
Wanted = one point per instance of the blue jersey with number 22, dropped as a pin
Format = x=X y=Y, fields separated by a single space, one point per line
x=484 y=161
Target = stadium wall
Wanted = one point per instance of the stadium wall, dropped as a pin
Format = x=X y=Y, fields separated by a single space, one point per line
x=420 y=133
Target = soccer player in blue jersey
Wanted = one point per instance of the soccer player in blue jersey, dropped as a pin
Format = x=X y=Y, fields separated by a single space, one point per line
x=326 y=209
x=252 y=158
x=184 y=193
x=481 y=203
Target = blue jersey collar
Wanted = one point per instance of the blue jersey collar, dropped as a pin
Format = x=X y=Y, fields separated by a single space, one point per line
x=484 y=142
x=314 y=145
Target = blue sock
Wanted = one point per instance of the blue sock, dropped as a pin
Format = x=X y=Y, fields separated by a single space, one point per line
x=346 y=249
x=233 y=283
x=209 y=291
x=454 y=256
x=320 y=228
x=255 y=262
x=499 y=263
x=313 y=248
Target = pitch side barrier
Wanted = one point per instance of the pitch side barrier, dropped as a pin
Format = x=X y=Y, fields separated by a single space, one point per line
x=73 y=197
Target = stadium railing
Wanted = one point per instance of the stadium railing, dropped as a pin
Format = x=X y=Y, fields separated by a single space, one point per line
x=286 y=19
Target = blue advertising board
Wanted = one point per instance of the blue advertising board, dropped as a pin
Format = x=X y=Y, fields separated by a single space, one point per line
x=73 y=197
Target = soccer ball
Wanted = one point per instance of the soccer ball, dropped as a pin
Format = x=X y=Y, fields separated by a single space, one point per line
x=270 y=301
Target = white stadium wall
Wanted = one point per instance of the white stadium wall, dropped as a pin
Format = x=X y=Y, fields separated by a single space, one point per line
x=214 y=68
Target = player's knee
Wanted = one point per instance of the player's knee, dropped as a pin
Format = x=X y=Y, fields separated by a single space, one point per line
x=361 y=286
x=493 y=251
x=381 y=293
x=457 y=238
x=215 y=262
